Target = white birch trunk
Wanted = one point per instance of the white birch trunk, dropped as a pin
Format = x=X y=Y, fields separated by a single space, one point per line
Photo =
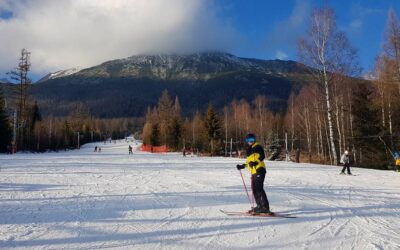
x=292 y=124
x=329 y=116
x=338 y=125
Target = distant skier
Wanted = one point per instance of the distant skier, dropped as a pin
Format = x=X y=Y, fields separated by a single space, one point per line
x=397 y=161
x=99 y=150
x=345 y=161
x=95 y=149
x=255 y=163
x=130 y=149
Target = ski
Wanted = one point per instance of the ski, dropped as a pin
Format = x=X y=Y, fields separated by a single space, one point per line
x=274 y=215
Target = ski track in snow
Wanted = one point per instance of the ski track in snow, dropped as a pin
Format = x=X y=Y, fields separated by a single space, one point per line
x=82 y=199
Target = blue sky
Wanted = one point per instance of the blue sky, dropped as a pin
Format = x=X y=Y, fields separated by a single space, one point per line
x=273 y=26
x=79 y=33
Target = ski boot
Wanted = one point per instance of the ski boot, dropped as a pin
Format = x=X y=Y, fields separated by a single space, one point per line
x=253 y=209
x=263 y=210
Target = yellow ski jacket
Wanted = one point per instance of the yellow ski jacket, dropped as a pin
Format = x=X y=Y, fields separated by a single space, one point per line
x=255 y=153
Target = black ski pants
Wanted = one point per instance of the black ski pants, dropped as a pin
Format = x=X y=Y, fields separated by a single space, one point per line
x=346 y=166
x=257 y=186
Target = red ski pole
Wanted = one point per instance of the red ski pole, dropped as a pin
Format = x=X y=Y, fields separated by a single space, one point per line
x=245 y=188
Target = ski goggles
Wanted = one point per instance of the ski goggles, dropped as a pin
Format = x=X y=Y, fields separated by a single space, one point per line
x=250 y=139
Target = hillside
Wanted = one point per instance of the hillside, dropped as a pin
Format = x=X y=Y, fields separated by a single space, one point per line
x=89 y=200
x=126 y=87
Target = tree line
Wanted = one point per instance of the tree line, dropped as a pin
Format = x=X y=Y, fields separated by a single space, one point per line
x=61 y=133
x=22 y=127
x=338 y=112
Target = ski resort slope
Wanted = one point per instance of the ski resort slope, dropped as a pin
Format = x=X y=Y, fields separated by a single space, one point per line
x=82 y=199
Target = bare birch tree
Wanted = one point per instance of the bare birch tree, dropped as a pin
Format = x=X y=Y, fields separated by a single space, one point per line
x=392 y=42
x=329 y=53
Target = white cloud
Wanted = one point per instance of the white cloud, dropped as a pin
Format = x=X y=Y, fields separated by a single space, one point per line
x=68 y=33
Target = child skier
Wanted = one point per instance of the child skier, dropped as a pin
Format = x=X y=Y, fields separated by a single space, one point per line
x=345 y=161
x=255 y=163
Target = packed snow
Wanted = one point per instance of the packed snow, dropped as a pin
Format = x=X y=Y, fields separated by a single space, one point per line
x=82 y=199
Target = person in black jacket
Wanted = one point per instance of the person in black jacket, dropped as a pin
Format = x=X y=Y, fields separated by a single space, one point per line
x=255 y=163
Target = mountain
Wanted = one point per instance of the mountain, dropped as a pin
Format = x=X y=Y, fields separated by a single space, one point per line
x=195 y=67
x=58 y=74
x=4 y=80
x=126 y=87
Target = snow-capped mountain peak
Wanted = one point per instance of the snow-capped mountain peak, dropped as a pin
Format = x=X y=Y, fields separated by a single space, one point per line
x=60 y=73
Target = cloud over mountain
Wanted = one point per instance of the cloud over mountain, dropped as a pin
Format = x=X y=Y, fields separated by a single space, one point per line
x=68 y=33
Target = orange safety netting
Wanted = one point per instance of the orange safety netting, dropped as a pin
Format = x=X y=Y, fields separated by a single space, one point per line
x=154 y=149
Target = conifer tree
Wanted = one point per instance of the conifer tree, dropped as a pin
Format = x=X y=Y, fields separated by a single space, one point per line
x=165 y=110
x=175 y=129
x=155 y=135
x=20 y=76
x=213 y=128
x=367 y=129
x=6 y=133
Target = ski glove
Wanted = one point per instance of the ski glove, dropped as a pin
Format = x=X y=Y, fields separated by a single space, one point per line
x=253 y=164
x=240 y=166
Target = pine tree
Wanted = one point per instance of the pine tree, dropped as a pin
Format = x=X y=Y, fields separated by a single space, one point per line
x=165 y=106
x=175 y=129
x=148 y=125
x=165 y=110
x=213 y=128
x=20 y=76
x=155 y=135
x=175 y=133
x=6 y=133
x=367 y=129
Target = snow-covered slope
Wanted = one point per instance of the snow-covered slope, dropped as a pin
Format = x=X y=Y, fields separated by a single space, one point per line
x=199 y=66
x=88 y=200
x=60 y=73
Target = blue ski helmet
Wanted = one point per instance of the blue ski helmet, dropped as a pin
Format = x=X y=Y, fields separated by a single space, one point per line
x=250 y=138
